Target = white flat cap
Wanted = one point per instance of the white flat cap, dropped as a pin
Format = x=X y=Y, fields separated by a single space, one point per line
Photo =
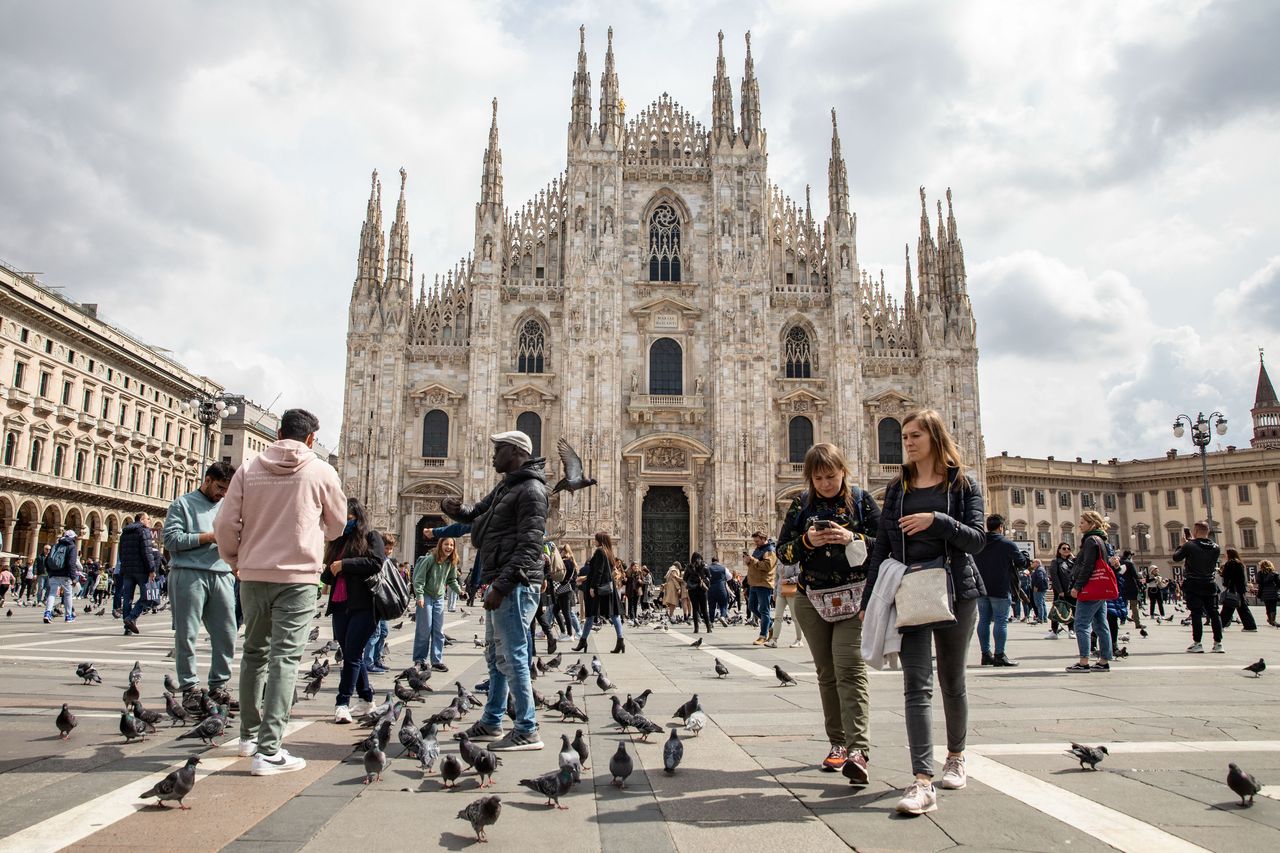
x=515 y=437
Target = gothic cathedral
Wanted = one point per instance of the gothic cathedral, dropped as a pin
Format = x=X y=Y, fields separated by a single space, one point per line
x=688 y=328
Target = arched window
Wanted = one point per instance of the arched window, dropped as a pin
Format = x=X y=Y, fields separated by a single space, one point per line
x=889 y=435
x=59 y=459
x=666 y=367
x=99 y=463
x=37 y=451
x=10 y=448
x=531 y=425
x=799 y=439
x=664 y=244
x=435 y=434
x=81 y=458
x=796 y=354
x=115 y=474
x=532 y=348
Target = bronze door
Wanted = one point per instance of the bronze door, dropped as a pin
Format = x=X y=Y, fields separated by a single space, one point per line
x=664 y=530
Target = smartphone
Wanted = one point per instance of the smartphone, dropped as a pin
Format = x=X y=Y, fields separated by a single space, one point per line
x=1186 y=532
x=822 y=525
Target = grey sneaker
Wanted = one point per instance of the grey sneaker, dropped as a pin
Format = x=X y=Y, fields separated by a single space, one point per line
x=953 y=775
x=1195 y=649
x=514 y=741
x=479 y=731
x=919 y=798
x=1217 y=649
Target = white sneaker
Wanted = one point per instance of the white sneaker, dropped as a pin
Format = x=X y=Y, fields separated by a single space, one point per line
x=1217 y=649
x=281 y=762
x=919 y=798
x=246 y=746
x=1051 y=635
x=770 y=644
x=953 y=775
x=797 y=644
x=342 y=715
x=362 y=707
x=1195 y=649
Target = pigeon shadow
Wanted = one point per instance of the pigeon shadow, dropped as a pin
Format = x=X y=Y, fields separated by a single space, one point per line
x=453 y=841
x=527 y=806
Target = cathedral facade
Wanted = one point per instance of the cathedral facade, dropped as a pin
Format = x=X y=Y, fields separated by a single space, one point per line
x=686 y=326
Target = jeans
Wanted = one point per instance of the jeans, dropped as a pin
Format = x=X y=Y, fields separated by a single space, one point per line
x=506 y=651
x=1042 y=614
x=52 y=598
x=42 y=587
x=352 y=629
x=428 y=631
x=758 y=600
x=718 y=601
x=1091 y=618
x=1202 y=600
x=451 y=599
x=1015 y=608
x=129 y=608
x=993 y=617
x=780 y=610
x=376 y=649
x=836 y=648
x=951 y=645
x=277 y=616
x=202 y=597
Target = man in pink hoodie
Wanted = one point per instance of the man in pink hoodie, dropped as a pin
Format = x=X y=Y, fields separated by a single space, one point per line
x=280 y=509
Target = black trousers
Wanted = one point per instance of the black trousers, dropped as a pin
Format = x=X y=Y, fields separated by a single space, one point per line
x=1155 y=598
x=1202 y=601
x=564 y=604
x=1246 y=618
x=698 y=600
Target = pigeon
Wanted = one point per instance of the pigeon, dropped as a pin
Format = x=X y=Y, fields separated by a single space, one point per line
x=605 y=684
x=554 y=663
x=630 y=706
x=148 y=717
x=408 y=734
x=485 y=764
x=621 y=717
x=481 y=813
x=176 y=785
x=1242 y=783
x=580 y=746
x=66 y=722
x=83 y=670
x=428 y=749
x=696 y=721
x=1142 y=632
x=642 y=700
x=672 y=753
x=1124 y=638
x=131 y=693
x=1257 y=668
x=539 y=701
x=596 y=669
x=468 y=697
x=135 y=674
x=687 y=708
x=553 y=785
x=1123 y=652
x=447 y=716
x=406 y=694
x=375 y=761
x=171 y=685
x=313 y=687
x=397 y=626
x=696 y=644
x=450 y=770
x=467 y=749
x=620 y=765
x=568 y=710
x=177 y=713
x=645 y=727
x=131 y=727
x=569 y=757
x=379 y=737
x=8 y=612
x=208 y=730
x=784 y=679
x=314 y=635
x=583 y=675
x=1091 y=755
x=722 y=671
x=573 y=478
x=476 y=641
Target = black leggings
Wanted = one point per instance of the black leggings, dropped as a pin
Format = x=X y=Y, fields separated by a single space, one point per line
x=564 y=604
x=698 y=602
x=1271 y=611
x=1155 y=599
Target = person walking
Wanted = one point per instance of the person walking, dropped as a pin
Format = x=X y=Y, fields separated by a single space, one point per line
x=6 y=581
x=375 y=651
x=1131 y=585
x=139 y=563
x=718 y=590
x=635 y=592
x=350 y=559
x=1268 y=590
x=673 y=589
x=933 y=511
x=1235 y=589
x=566 y=595
x=698 y=581
x=60 y=565
x=1064 y=602
x=1039 y=588
x=1156 y=587
x=999 y=563
x=200 y=583
x=1091 y=610
x=433 y=574
x=785 y=590
x=27 y=591
x=821 y=523
x=271 y=529
x=42 y=573
x=762 y=564
x=601 y=594
x=507 y=528
x=1198 y=589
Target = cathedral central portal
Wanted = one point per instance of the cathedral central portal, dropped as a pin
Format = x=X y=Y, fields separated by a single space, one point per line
x=664 y=533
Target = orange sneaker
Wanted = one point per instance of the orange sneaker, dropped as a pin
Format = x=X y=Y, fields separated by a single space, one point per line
x=835 y=759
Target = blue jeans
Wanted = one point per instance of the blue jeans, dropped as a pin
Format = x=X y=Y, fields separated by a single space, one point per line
x=52 y=596
x=129 y=608
x=352 y=629
x=428 y=631
x=506 y=651
x=451 y=599
x=1042 y=614
x=758 y=605
x=376 y=649
x=1091 y=616
x=993 y=611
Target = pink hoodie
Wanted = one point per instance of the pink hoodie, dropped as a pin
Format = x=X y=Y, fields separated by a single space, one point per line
x=280 y=509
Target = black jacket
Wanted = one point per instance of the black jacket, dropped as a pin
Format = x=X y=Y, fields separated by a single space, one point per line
x=138 y=555
x=1202 y=559
x=1233 y=577
x=508 y=526
x=1092 y=546
x=599 y=571
x=998 y=563
x=1060 y=574
x=962 y=526
x=355 y=570
x=1268 y=586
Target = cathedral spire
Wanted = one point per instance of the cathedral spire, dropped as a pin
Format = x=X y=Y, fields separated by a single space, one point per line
x=721 y=101
x=398 y=263
x=837 y=175
x=372 y=242
x=909 y=296
x=1266 y=410
x=750 y=99
x=580 y=116
x=491 y=176
x=610 y=114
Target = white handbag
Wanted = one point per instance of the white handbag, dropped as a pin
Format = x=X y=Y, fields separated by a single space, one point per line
x=925 y=598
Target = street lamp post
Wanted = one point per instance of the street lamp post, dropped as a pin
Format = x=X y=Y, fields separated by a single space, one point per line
x=1201 y=436
x=208 y=410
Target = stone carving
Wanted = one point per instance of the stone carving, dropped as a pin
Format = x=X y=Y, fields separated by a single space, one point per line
x=666 y=459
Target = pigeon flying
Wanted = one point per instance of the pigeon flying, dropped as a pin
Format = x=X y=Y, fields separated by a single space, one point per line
x=573 y=478
x=620 y=765
x=672 y=753
x=1257 y=668
x=784 y=679
x=1091 y=755
x=481 y=813
x=66 y=722
x=176 y=785
x=1242 y=783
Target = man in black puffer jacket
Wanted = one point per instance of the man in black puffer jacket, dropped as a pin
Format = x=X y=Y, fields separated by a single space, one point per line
x=507 y=528
x=139 y=562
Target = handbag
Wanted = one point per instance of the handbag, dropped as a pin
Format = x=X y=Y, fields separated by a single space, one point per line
x=1230 y=598
x=1101 y=585
x=837 y=603
x=1063 y=611
x=925 y=598
x=389 y=590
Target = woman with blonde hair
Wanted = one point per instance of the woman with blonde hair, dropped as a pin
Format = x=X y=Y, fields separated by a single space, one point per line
x=827 y=516
x=601 y=593
x=932 y=513
x=673 y=588
x=1091 y=613
x=433 y=574
x=1268 y=589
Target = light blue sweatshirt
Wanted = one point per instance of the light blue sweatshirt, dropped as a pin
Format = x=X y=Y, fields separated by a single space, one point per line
x=188 y=517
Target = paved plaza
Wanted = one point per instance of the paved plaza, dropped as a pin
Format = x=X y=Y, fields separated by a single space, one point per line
x=1172 y=722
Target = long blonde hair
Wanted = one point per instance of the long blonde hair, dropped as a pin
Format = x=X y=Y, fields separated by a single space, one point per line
x=1091 y=521
x=828 y=457
x=945 y=451
x=1265 y=566
x=438 y=553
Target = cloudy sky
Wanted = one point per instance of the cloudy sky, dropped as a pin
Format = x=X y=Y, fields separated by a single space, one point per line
x=201 y=170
